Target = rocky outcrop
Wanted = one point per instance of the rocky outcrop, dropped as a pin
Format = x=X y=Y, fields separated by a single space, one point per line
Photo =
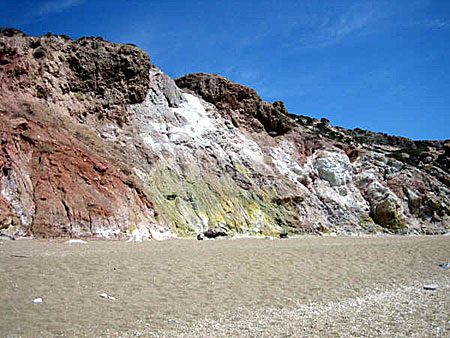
x=52 y=183
x=97 y=142
x=240 y=104
x=334 y=167
x=85 y=78
x=51 y=187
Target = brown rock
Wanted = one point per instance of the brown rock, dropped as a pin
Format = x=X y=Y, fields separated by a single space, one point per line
x=240 y=104
x=83 y=77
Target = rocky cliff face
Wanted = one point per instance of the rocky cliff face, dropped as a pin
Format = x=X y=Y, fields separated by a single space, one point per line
x=97 y=142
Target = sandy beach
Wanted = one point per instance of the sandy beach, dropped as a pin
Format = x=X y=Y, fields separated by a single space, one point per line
x=303 y=287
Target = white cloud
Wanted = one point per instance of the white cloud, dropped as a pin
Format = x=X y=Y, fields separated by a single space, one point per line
x=55 y=6
x=439 y=23
x=330 y=29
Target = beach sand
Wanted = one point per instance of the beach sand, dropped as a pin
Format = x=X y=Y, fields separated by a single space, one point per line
x=302 y=287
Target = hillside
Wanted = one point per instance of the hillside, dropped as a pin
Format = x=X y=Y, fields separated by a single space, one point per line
x=97 y=142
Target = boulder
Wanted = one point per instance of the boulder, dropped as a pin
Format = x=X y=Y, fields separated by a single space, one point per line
x=333 y=167
x=385 y=207
x=215 y=232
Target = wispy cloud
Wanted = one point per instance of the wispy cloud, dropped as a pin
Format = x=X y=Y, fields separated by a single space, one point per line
x=326 y=30
x=55 y=6
x=247 y=76
x=438 y=23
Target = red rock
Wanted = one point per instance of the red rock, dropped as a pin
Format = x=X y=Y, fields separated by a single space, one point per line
x=100 y=167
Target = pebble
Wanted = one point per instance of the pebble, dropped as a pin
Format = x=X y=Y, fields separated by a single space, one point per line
x=37 y=301
x=75 y=241
x=104 y=295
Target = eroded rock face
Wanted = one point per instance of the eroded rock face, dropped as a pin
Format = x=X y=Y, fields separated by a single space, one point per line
x=96 y=142
x=86 y=78
x=242 y=105
x=52 y=184
x=334 y=168
x=385 y=206
x=52 y=188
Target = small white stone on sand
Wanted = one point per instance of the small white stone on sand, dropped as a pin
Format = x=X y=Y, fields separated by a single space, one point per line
x=37 y=301
x=104 y=295
x=430 y=287
x=75 y=241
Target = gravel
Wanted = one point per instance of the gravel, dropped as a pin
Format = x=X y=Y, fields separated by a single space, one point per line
x=406 y=311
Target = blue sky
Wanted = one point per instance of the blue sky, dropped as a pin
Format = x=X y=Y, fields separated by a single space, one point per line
x=377 y=65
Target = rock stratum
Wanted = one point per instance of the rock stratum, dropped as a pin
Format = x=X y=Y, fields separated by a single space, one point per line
x=97 y=142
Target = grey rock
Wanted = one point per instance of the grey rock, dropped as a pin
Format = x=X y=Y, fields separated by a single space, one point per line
x=216 y=232
x=333 y=167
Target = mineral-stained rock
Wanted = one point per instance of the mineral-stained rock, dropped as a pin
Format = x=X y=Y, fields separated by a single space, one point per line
x=386 y=213
x=97 y=142
x=243 y=106
x=51 y=183
x=53 y=188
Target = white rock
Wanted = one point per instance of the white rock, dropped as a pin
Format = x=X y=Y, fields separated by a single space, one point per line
x=135 y=239
x=75 y=241
x=333 y=167
x=379 y=163
x=379 y=157
x=161 y=235
x=282 y=159
x=396 y=164
x=391 y=172
x=138 y=236
x=106 y=296
x=377 y=191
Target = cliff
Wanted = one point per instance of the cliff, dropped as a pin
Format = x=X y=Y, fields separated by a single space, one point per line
x=98 y=142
